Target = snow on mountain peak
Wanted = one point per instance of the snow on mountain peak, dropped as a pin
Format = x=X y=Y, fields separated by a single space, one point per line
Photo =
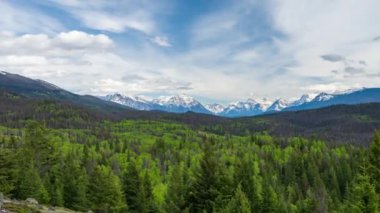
x=215 y=108
x=323 y=97
x=278 y=105
x=305 y=98
x=177 y=100
x=183 y=103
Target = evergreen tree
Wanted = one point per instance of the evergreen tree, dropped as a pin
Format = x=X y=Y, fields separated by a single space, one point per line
x=105 y=191
x=204 y=191
x=239 y=203
x=133 y=189
x=271 y=202
x=146 y=196
x=7 y=171
x=75 y=184
x=246 y=175
x=374 y=161
x=362 y=196
x=175 y=200
x=42 y=149
x=30 y=185
x=54 y=185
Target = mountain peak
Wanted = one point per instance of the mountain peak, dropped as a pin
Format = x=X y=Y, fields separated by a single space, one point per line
x=215 y=108
x=323 y=96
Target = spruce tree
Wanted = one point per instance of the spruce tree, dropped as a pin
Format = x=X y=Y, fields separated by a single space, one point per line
x=204 y=190
x=132 y=187
x=239 y=203
x=175 y=200
x=105 y=191
x=246 y=175
x=75 y=184
x=7 y=171
x=374 y=161
x=362 y=196
x=30 y=185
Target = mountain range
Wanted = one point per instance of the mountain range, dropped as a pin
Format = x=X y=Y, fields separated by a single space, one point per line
x=250 y=107
x=184 y=103
x=333 y=117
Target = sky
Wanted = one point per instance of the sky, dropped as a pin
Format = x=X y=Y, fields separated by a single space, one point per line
x=214 y=50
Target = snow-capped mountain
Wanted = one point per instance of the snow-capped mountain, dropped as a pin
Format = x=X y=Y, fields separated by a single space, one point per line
x=215 y=108
x=366 y=95
x=304 y=99
x=179 y=104
x=278 y=105
x=250 y=107
x=323 y=97
x=245 y=108
x=135 y=102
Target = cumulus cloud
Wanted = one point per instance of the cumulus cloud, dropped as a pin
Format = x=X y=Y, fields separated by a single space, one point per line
x=265 y=47
x=82 y=40
x=84 y=63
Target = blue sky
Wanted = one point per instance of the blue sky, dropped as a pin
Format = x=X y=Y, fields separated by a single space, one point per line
x=215 y=50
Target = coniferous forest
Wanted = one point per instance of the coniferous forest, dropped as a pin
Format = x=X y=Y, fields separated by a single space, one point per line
x=165 y=166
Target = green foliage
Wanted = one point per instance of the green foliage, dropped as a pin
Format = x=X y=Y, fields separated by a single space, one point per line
x=30 y=185
x=163 y=166
x=175 y=200
x=105 y=191
x=7 y=171
x=239 y=203
x=374 y=161
x=362 y=196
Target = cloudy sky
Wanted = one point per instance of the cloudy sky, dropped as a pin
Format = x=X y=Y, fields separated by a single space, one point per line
x=215 y=50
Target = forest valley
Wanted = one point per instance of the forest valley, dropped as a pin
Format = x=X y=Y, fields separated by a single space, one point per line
x=165 y=166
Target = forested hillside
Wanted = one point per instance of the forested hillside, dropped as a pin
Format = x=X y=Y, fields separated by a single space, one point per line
x=341 y=124
x=151 y=166
x=83 y=157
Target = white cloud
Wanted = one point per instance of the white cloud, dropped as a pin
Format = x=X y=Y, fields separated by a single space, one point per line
x=270 y=48
x=20 y=19
x=84 y=63
x=330 y=87
x=112 y=16
x=161 y=41
x=80 y=40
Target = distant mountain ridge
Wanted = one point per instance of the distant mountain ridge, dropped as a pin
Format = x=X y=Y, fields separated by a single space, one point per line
x=250 y=107
x=39 y=89
x=183 y=103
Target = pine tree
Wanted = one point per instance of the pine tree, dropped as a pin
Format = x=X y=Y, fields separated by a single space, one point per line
x=54 y=185
x=105 y=191
x=7 y=171
x=145 y=196
x=175 y=200
x=30 y=185
x=42 y=149
x=204 y=191
x=132 y=187
x=239 y=203
x=75 y=184
x=246 y=175
x=362 y=196
x=374 y=161
x=271 y=202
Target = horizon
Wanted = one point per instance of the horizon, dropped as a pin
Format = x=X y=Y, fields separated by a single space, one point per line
x=214 y=51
